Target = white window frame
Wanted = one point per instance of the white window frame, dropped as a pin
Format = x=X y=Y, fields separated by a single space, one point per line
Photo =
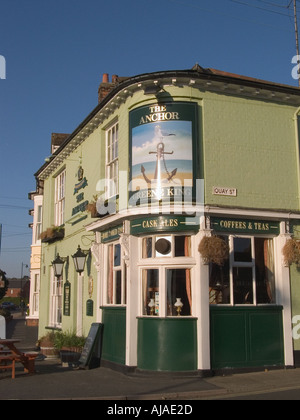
x=35 y=294
x=120 y=268
x=60 y=193
x=162 y=283
x=112 y=160
x=164 y=263
x=56 y=301
x=168 y=236
x=240 y=264
x=39 y=220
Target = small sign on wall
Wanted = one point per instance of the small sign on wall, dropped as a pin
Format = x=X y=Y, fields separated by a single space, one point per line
x=229 y=192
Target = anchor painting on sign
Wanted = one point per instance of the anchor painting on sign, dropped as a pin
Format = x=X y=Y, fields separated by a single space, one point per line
x=162 y=150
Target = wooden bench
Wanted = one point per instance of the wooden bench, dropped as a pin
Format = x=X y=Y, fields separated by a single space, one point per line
x=14 y=355
x=9 y=363
x=5 y=352
x=27 y=359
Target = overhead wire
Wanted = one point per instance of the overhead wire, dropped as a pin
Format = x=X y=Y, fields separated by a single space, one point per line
x=260 y=8
x=216 y=12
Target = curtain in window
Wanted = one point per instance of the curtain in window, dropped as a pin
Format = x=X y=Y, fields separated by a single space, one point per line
x=269 y=269
x=145 y=291
x=110 y=279
x=187 y=247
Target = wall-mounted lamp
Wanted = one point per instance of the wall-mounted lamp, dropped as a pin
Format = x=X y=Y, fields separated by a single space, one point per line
x=79 y=259
x=58 y=265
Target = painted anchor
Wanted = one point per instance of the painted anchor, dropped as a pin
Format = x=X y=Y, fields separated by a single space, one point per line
x=160 y=156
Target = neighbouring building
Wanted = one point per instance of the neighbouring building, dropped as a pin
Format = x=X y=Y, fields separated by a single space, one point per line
x=179 y=191
x=32 y=318
x=18 y=288
x=36 y=196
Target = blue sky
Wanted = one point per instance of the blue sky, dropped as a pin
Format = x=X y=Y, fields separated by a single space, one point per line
x=56 y=52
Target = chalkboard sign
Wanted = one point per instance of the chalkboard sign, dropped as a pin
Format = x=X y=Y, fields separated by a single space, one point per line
x=91 y=355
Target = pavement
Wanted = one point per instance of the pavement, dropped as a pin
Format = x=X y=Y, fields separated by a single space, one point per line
x=53 y=381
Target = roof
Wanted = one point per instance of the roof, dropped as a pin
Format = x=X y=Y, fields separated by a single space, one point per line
x=198 y=74
x=17 y=283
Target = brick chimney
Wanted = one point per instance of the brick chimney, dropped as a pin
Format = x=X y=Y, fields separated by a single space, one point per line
x=57 y=140
x=106 y=86
x=105 y=78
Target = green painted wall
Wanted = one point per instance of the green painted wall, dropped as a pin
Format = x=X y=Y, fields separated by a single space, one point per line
x=250 y=145
x=246 y=337
x=75 y=234
x=167 y=344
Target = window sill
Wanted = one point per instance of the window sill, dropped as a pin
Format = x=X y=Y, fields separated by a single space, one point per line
x=53 y=328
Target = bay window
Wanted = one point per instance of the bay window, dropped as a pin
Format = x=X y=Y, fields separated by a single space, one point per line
x=248 y=276
x=166 y=275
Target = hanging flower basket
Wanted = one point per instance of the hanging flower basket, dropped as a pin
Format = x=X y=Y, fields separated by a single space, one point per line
x=52 y=234
x=291 y=252
x=92 y=207
x=214 y=249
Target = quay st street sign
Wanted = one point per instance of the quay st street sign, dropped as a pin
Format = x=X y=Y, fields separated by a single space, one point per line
x=245 y=226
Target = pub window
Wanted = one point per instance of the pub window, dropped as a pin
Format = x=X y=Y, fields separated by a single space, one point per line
x=56 y=301
x=116 y=276
x=248 y=276
x=112 y=160
x=179 y=290
x=166 y=246
x=60 y=190
x=219 y=281
x=150 y=290
x=166 y=287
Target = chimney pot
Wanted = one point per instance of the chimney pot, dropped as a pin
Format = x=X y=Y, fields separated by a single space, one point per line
x=105 y=78
x=114 y=78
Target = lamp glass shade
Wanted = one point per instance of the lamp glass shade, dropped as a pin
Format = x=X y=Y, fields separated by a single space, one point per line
x=58 y=265
x=79 y=260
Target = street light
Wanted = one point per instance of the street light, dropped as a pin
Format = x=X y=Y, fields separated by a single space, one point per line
x=58 y=265
x=79 y=259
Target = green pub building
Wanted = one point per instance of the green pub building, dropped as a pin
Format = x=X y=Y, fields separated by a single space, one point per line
x=180 y=191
